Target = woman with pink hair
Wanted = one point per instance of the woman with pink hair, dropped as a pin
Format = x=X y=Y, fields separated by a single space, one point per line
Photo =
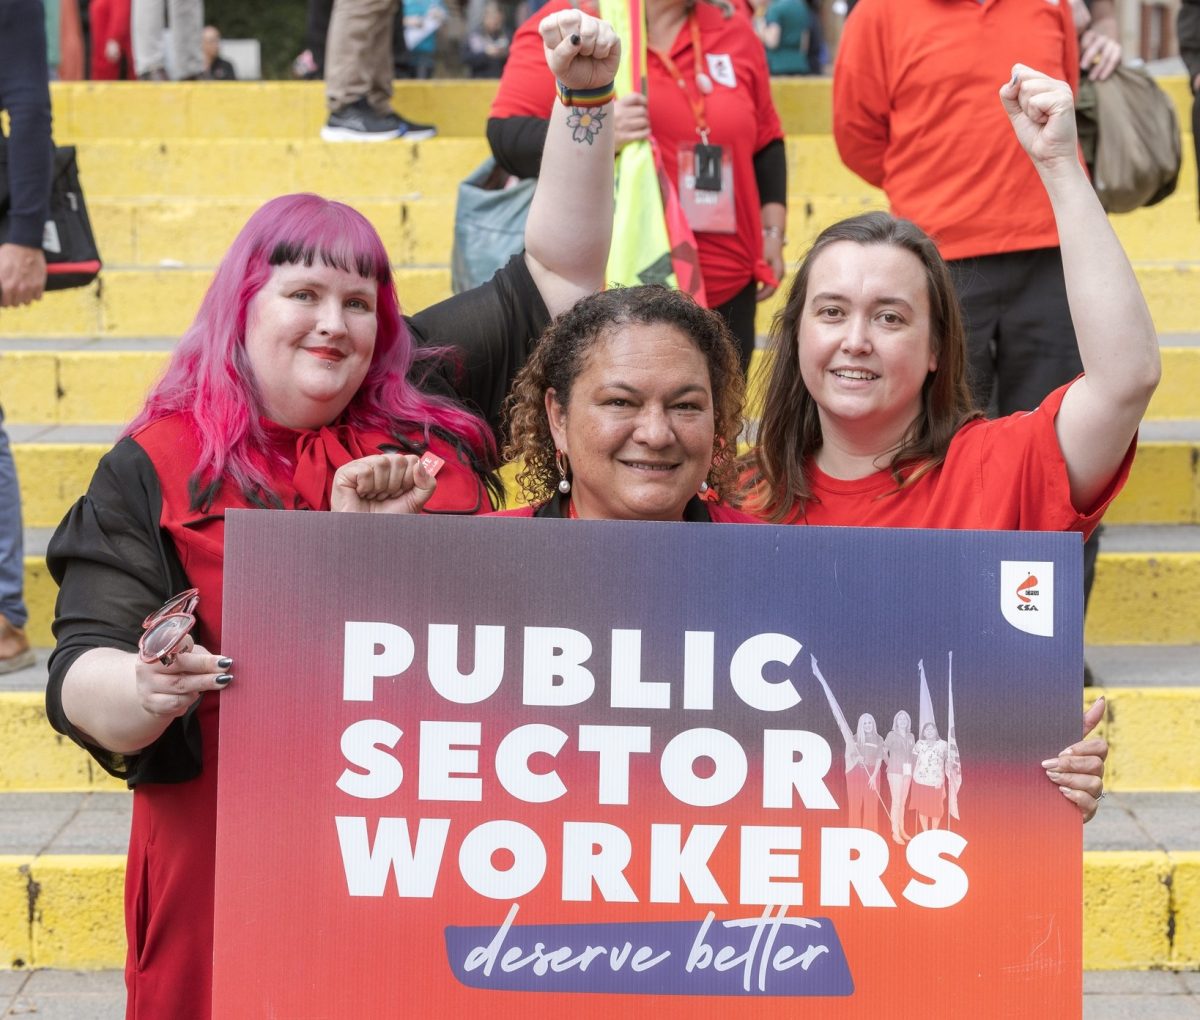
x=299 y=386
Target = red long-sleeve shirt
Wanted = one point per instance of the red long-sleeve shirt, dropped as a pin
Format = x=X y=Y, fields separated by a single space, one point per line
x=740 y=112
x=916 y=112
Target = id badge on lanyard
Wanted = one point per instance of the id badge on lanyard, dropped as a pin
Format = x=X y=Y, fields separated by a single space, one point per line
x=706 y=188
x=705 y=178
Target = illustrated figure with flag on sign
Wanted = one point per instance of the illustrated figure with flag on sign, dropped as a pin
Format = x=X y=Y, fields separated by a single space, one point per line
x=929 y=778
x=863 y=758
x=929 y=770
x=864 y=753
x=898 y=747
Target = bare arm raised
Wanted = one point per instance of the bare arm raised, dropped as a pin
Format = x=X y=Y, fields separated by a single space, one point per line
x=1101 y=412
x=570 y=221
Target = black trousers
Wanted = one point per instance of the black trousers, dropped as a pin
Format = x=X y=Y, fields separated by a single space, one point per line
x=738 y=313
x=1020 y=339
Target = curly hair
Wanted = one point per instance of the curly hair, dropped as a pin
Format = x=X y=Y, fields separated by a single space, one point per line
x=776 y=480
x=562 y=352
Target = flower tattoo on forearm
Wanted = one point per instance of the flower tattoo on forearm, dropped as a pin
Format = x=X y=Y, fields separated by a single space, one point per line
x=585 y=123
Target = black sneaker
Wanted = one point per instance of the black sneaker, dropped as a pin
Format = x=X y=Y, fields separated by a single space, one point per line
x=359 y=123
x=410 y=131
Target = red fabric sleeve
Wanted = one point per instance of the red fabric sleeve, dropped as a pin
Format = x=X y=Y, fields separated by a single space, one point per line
x=120 y=25
x=1041 y=477
x=861 y=96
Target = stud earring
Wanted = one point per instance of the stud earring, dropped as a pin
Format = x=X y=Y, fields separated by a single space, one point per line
x=564 y=466
x=703 y=488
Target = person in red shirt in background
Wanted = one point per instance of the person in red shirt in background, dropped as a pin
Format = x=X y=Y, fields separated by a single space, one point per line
x=704 y=62
x=914 y=113
x=111 y=45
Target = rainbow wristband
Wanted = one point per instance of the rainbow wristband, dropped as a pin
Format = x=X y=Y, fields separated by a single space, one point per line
x=586 y=97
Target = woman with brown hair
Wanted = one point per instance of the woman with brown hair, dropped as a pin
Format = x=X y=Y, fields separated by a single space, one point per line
x=868 y=420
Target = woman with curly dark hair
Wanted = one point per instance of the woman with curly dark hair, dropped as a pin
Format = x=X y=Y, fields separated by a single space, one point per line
x=629 y=408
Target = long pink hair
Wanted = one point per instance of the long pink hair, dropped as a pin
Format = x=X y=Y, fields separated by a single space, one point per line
x=209 y=380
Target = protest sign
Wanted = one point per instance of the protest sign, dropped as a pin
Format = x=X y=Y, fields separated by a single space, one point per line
x=531 y=767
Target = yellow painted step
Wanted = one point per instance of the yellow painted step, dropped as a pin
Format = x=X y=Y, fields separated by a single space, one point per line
x=33 y=758
x=1128 y=914
x=258 y=168
x=87 y=110
x=64 y=911
x=52 y=476
x=101 y=387
x=1139 y=599
x=419 y=229
x=77 y=916
x=263 y=168
x=125 y=166
x=1151 y=733
x=141 y=303
x=1145 y=599
x=197 y=232
x=76 y=387
x=1163 y=487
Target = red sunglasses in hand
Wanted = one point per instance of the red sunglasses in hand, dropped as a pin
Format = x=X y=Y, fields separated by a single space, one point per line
x=166 y=629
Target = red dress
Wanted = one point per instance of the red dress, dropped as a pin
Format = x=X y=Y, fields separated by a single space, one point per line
x=133 y=541
x=169 y=884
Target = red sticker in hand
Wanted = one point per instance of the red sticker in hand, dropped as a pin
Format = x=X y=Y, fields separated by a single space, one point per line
x=432 y=463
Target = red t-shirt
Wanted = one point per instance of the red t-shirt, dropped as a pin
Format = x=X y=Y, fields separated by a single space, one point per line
x=916 y=112
x=740 y=113
x=1002 y=475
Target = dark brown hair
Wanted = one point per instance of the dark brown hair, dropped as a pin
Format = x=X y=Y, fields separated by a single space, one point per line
x=790 y=429
x=562 y=352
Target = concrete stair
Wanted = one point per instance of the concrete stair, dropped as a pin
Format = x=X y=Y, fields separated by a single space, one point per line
x=173 y=171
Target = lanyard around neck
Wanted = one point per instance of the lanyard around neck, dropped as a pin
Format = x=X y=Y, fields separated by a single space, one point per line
x=703 y=82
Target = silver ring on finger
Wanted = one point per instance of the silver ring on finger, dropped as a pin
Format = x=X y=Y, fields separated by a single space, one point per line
x=1100 y=797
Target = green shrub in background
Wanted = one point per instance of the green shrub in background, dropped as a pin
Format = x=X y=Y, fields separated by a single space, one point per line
x=278 y=25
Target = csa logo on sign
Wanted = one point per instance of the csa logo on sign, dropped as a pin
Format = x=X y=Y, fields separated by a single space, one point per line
x=1027 y=596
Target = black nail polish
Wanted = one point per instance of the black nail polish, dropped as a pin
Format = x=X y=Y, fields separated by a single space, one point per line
x=224 y=662
x=224 y=679
x=575 y=39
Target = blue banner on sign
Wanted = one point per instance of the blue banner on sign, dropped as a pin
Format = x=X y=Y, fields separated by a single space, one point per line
x=765 y=954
